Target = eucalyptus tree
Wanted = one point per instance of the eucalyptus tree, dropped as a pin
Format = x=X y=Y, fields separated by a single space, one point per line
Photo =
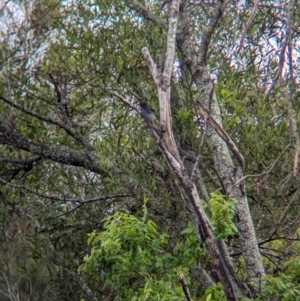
x=221 y=78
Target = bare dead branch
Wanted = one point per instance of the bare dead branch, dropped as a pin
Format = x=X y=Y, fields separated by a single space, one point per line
x=169 y=149
x=185 y=287
x=152 y=66
x=124 y=100
x=171 y=44
x=222 y=134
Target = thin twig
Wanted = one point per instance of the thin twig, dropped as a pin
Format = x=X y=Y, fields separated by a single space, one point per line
x=265 y=172
x=81 y=203
x=284 y=214
x=123 y=99
x=57 y=198
x=268 y=256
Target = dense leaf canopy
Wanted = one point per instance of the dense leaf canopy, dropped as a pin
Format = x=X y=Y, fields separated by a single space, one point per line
x=78 y=163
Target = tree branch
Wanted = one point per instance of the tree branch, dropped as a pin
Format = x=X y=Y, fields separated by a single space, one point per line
x=222 y=134
x=80 y=203
x=148 y=15
x=206 y=37
x=60 y=154
x=265 y=172
x=19 y=165
x=60 y=199
x=248 y=23
x=69 y=130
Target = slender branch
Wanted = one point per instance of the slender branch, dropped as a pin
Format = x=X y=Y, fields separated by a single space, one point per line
x=265 y=172
x=148 y=15
x=152 y=66
x=123 y=99
x=185 y=287
x=268 y=256
x=284 y=214
x=81 y=203
x=222 y=134
x=47 y=119
x=238 y=253
x=204 y=168
x=57 y=198
x=248 y=23
x=281 y=59
x=206 y=37
x=13 y=53
x=133 y=107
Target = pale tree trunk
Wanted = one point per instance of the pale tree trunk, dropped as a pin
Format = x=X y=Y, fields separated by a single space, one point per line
x=228 y=172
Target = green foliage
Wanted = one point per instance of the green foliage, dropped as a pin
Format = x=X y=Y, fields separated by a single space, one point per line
x=285 y=286
x=188 y=251
x=156 y=290
x=221 y=215
x=131 y=255
x=214 y=293
x=184 y=121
